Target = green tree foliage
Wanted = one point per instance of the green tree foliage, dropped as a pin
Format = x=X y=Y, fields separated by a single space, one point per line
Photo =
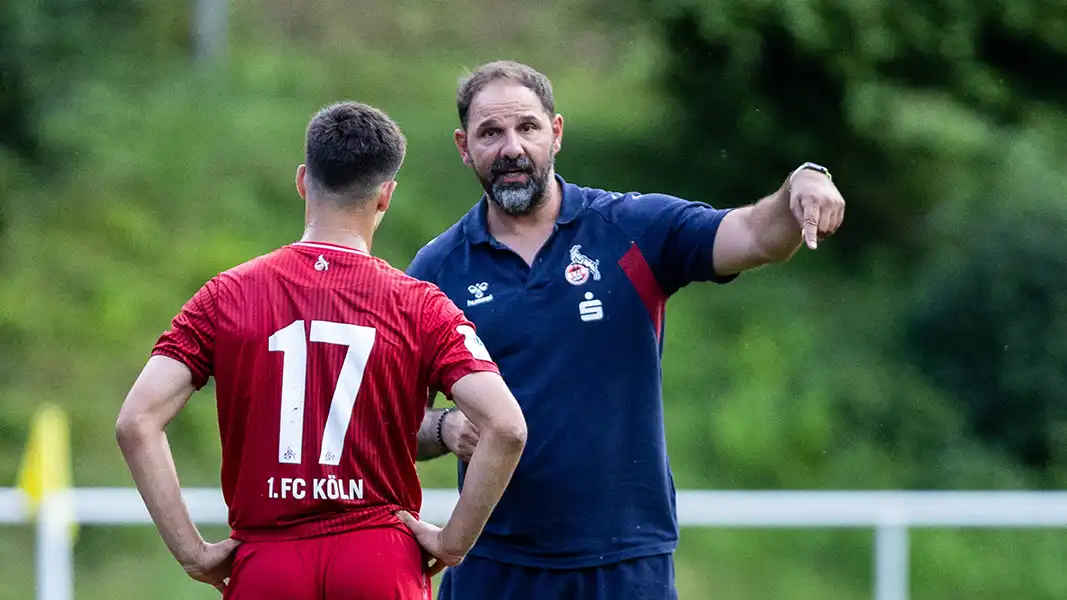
x=993 y=328
x=989 y=320
x=895 y=94
x=16 y=107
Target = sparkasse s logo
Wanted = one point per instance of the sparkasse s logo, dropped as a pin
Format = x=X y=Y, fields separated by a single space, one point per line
x=590 y=309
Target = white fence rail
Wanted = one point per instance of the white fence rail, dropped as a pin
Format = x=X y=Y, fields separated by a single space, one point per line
x=890 y=514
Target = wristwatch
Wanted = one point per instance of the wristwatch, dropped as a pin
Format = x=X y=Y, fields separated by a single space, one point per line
x=811 y=167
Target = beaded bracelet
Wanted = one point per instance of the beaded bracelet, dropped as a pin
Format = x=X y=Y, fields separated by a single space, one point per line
x=440 y=423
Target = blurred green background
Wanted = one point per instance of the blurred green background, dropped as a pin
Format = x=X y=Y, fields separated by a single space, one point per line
x=924 y=347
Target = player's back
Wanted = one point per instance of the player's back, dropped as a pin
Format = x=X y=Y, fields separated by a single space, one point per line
x=321 y=380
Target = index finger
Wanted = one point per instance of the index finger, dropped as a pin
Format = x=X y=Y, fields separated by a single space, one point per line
x=409 y=521
x=810 y=226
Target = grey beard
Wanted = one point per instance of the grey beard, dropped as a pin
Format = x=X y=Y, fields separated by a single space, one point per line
x=516 y=200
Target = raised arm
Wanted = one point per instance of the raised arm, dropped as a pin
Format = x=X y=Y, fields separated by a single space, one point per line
x=807 y=208
x=157 y=396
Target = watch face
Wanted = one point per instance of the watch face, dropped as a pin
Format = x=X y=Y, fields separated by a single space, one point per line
x=814 y=167
x=810 y=166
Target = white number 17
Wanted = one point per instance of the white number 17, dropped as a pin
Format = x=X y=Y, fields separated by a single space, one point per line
x=291 y=341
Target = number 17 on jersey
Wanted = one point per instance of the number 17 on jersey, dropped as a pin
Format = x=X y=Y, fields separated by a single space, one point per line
x=292 y=342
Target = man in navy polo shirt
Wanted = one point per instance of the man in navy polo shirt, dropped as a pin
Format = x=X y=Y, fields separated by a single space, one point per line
x=567 y=287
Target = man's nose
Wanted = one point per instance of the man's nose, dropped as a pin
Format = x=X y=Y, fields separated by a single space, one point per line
x=512 y=148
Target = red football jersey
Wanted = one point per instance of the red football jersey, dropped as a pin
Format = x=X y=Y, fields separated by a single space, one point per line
x=322 y=357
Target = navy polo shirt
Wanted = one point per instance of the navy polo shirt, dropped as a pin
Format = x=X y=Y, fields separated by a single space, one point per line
x=578 y=338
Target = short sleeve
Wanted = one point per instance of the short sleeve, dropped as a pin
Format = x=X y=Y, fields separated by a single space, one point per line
x=452 y=346
x=191 y=337
x=680 y=240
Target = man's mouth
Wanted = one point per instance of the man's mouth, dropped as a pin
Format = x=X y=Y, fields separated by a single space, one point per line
x=512 y=176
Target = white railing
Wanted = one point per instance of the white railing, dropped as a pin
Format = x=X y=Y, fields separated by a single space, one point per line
x=891 y=514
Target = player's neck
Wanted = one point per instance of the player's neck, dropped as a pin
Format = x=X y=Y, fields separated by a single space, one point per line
x=538 y=223
x=349 y=237
x=325 y=222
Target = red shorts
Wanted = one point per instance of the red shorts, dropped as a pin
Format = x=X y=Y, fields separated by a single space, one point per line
x=383 y=563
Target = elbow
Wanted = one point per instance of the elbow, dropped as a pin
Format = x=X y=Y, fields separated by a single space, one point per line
x=126 y=432
x=131 y=429
x=508 y=431
x=516 y=436
x=511 y=434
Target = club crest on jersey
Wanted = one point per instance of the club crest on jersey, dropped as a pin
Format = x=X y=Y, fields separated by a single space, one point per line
x=478 y=291
x=581 y=267
x=321 y=264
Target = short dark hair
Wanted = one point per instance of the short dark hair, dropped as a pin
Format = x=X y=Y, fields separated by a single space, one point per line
x=353 y=148
x=527 y=76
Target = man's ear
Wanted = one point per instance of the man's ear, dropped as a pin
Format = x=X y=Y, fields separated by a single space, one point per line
x=385 y=195
x=557 y=133
x=301 y=184
x=460 y=137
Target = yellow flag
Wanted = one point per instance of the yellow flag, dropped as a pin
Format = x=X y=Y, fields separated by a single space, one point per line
x=46 y=464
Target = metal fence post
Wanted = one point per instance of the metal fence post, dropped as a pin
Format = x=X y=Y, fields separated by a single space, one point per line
x=55 y=546
x=891 y=554
x=210 y=30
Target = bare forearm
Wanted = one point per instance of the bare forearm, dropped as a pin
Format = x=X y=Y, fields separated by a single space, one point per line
x=429 y=446
x=488 y=474
x=150 y=462
x=777 y=234
x=755 y=235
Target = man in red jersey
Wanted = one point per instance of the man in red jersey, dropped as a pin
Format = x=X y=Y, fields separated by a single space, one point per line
x=322 y=357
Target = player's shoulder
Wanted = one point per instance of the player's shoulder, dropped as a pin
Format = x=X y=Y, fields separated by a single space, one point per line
x=429 y=260
x=630 y=211
x=395 y=280
x=409 y=295
x=616 y=206
x=240 y=272
x=251 y=268
x=232 y=283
